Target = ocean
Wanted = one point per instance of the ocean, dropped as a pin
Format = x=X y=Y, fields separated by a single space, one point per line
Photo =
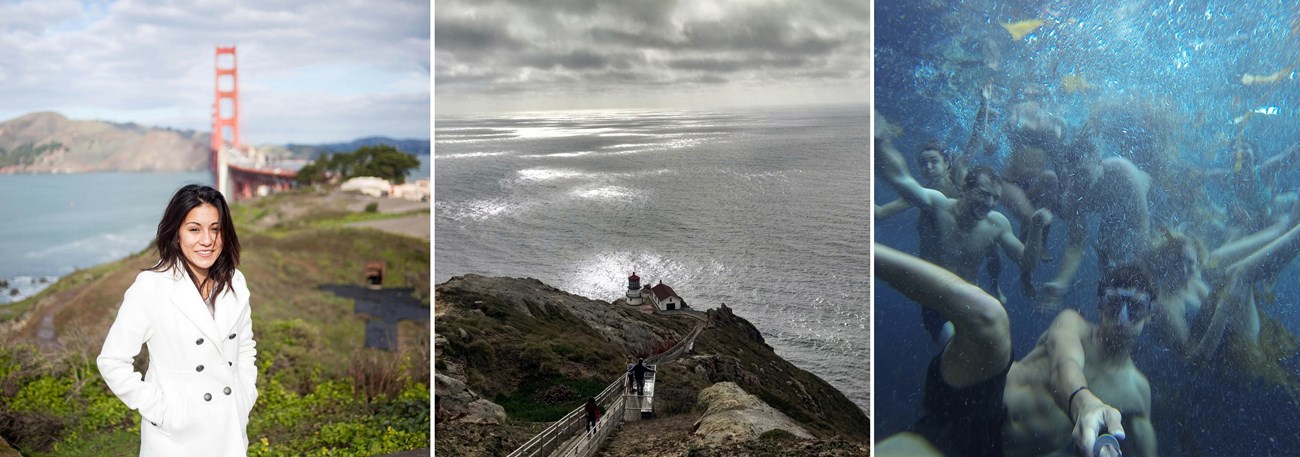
x=761 y=209
x=1185 y=79
x=52 y=225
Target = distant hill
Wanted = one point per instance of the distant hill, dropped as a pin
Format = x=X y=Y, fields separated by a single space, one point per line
x=48 y=142
x=311 y=151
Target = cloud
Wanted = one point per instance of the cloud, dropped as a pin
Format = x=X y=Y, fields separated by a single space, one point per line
x=488 y=54
x=151 y=61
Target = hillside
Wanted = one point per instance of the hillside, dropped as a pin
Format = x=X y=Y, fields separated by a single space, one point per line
x=538 y=351
x=50 y=143
x=320 y=388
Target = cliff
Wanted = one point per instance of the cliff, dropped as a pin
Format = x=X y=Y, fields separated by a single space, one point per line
x=537 y=352
x=50 y=143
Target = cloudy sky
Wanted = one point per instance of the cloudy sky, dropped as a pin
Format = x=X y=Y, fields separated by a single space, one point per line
x=309 y=71
x=505 y=55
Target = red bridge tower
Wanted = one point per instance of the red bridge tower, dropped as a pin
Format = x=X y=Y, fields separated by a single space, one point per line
x=225 y=112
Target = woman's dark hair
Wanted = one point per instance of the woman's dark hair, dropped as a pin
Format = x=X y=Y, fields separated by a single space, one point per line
x=168 y=242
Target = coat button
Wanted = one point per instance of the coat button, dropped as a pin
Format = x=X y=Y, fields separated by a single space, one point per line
x=199 y=341
x=207 y=397
x=230 y=363
x=227 y=391
x=198 y=368
x=232 y=336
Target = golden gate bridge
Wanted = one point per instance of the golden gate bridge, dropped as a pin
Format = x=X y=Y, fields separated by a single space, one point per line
x=239 y=170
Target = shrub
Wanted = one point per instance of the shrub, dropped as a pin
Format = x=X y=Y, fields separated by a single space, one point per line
x=372 y=207
x=375 y=374
x=284 y=349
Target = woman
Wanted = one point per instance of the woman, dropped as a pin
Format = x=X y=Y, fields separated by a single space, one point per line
x=1197 y=310
x=191 y=311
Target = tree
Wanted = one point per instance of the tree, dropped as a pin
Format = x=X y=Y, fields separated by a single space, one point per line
x=383 y=162
x=380 y=161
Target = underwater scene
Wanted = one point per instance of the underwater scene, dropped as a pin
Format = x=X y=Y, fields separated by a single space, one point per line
x=1121 y=173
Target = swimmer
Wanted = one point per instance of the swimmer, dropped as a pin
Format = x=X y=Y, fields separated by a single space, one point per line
x=934 y=161
x=957 y=233
x=1113 y=189
x=1195 y=318
x=1078 y=384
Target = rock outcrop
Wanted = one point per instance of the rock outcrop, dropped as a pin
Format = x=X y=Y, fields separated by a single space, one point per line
x=454 y=402
x=734 y=415
x=516 y=341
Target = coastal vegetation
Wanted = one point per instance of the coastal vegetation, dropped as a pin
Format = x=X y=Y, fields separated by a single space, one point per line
x=321 y=391
x=380 y=161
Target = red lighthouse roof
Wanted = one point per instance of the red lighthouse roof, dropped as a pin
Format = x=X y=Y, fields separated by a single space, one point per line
x=662 y=291
x=634 y=277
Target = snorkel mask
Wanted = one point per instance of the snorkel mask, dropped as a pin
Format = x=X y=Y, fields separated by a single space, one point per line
x=1127 y=304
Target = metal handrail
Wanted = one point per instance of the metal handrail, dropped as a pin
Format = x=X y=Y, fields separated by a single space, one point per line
x=555 y=438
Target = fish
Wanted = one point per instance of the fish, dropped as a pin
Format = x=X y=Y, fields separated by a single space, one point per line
x=1021 y=28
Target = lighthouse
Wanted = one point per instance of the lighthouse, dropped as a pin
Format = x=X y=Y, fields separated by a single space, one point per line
x=634 y=289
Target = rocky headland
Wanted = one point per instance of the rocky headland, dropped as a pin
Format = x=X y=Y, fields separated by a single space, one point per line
x=514 y=354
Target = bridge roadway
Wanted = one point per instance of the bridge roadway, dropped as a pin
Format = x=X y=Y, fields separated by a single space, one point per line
x=568 y=436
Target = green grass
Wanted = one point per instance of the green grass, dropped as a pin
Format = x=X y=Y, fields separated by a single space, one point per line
x=312 y=402
x=524 y=403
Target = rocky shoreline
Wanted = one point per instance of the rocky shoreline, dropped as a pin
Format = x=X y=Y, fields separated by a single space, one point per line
x=504 y=344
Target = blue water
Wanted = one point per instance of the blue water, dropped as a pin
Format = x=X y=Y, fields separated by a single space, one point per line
x=52 y=225
x=56 y=224
x=763 y=210
x=1184 y=61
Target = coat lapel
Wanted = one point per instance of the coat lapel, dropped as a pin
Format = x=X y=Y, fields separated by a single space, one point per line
x=185 y=297
x=229 y=309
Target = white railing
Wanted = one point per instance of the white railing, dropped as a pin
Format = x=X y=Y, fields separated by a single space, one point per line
x=568 y=436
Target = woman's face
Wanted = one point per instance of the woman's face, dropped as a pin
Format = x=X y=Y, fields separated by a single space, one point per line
x=932 y=164
x=200 y=238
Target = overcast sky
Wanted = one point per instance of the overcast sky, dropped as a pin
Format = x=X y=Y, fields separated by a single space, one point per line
x=309 y=71
x=507 y=55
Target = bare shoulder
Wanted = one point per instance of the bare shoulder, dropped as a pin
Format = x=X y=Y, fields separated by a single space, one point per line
x=999 y=219
x=1126 y=169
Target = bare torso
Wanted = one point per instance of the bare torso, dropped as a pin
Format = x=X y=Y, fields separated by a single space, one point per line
x=960 y=249
x=1036 y=426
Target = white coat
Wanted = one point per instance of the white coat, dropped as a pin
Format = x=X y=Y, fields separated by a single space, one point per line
x=201 y=382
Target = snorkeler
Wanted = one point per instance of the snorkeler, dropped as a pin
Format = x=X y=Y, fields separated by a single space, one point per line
x=1078 y=384
x=956 y=233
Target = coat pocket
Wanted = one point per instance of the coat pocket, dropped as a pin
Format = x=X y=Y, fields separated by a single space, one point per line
x=176 y=417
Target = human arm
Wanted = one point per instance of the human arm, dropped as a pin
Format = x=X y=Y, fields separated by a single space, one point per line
x=130 y=329
x=247 y=353
x=1055 y=290
x=888 y=210
x=1088 y=413
x=983 y=329
x=978 y=136
x=891 y=167
x=1029 y=257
